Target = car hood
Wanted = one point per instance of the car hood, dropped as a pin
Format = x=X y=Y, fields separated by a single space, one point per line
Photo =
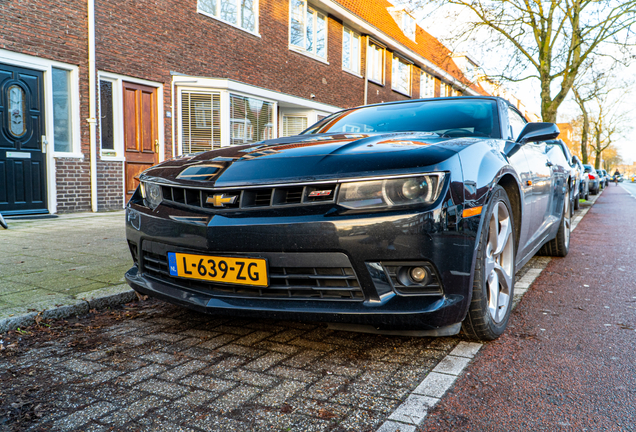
x=310 y=158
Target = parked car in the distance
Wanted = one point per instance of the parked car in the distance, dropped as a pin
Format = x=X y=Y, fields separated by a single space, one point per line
x=584 y=183
x=634 y=179
x=594 y=178
x=603 y=180
x=575 y=172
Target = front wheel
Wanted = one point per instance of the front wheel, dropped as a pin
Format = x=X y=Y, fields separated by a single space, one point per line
x=494 y=278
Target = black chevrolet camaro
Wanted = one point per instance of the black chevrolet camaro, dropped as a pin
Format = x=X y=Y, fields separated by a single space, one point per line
x=398 y=217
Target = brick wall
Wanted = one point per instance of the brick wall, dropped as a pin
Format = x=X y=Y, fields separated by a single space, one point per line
x=55 y=30
x=110 y=188
x=73 y=185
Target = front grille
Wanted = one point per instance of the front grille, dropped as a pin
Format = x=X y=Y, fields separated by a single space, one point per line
x=250 y=198
x=286 y=282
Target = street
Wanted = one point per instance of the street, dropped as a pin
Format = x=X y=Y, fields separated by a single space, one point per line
x=565 y=362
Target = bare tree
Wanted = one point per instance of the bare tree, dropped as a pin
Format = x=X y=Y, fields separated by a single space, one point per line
x=609 y=124
x=551 y=40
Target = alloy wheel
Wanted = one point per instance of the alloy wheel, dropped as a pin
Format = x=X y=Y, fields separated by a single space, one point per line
x=499 y=262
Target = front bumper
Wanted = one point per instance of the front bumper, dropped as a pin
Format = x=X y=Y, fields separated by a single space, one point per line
x=435 y=237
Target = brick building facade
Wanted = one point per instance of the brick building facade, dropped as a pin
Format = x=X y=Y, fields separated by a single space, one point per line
x=178 y=76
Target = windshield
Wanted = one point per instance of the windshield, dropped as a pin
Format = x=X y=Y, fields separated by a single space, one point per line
x=447 y=117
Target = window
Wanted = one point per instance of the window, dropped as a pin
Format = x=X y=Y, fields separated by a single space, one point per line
x=200 y=122
x=294 y=125
x=307 y=29
x=427 y=85
x=445 y=90
x=62 y=130
x=106 y=120
x=351 y=51
x=401 y=76
x=375 y=63
x=517 y=123
x=239 y=13
x=250 y=120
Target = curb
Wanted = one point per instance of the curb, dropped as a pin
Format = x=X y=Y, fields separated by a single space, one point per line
x=98 y=299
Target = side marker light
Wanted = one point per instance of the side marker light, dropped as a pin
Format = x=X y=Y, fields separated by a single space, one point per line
x=471 y=212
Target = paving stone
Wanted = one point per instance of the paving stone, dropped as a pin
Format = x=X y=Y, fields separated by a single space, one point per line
x=234 y=398
x=208 y=383
x=183 y=370
x=218 y=341
x=413 y=409
x=366 y=401
x=452 y=365
x=391 y=426
x=266 y=420
x=133 y=411
x=320 y=409
x=84 y=367
x=253 y=338
x=360 y=420
x=466 y=349
x=312 y=345
x=435 y=384
x=326 y=387
x=236 y=330
x=162 y=388
x=201 y=334
x=79 y=418
x=217 y=423
x=265 y=362
x=277 y=347
x=196 y=398
x=163 y=358
x=287 y=335
x=142 y=374
x=303 y=358
x=202 y=354
x=240 y=350
x=278 y=395
x=252 y=378
x=225 y=365
x=168 y=337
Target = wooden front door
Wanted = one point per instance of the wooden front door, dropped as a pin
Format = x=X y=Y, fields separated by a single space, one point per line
x=22 y=161
x=140 y=132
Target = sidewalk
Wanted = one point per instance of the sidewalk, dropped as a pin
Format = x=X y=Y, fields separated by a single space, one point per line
x=567 y=360
x=62 y=266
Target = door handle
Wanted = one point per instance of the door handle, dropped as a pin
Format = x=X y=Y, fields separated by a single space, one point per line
x=157 y=146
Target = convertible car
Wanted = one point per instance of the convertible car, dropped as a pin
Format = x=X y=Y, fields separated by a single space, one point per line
x=397 y=217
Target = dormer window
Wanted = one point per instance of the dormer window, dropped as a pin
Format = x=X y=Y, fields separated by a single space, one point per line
x=405 y=21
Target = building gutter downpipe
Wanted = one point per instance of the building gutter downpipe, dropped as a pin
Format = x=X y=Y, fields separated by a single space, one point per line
x=366 y=70
x=92 y=121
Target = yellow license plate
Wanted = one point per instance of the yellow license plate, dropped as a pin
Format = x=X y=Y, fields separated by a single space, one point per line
x=230 y=270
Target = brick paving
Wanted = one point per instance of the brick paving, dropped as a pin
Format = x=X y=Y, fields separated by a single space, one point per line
x=173 y=369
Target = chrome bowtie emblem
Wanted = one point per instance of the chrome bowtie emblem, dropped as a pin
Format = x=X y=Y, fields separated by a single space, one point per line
x=221 y=200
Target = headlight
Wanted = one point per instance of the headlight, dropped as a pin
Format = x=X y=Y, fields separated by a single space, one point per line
x=151 y=193
x=375 y=194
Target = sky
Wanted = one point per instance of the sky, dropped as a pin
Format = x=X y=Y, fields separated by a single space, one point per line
x=438 y=23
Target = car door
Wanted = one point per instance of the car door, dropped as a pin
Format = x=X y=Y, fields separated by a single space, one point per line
x=540 y=182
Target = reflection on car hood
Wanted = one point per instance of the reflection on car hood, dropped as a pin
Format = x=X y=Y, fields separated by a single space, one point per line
x=310 y=158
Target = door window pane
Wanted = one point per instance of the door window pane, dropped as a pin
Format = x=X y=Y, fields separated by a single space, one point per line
x=17 y=109
x=61 y=110
x=106 y=115
x=517 y=123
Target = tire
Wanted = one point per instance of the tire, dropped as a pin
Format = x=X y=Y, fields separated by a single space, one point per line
x=560 y=245
x=494 y=277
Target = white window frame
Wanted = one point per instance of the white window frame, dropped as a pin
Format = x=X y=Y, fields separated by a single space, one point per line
x=400 y=60
x=427 y=85
x=118 y=114
x=353 y=35
x=226 y=121
x=217 y=17
x=372 y=48
x=312 y=54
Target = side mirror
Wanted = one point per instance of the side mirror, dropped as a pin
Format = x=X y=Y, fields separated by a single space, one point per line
x=534 y=132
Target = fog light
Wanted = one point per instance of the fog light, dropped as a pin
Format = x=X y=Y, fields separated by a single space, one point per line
x=418 y=274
